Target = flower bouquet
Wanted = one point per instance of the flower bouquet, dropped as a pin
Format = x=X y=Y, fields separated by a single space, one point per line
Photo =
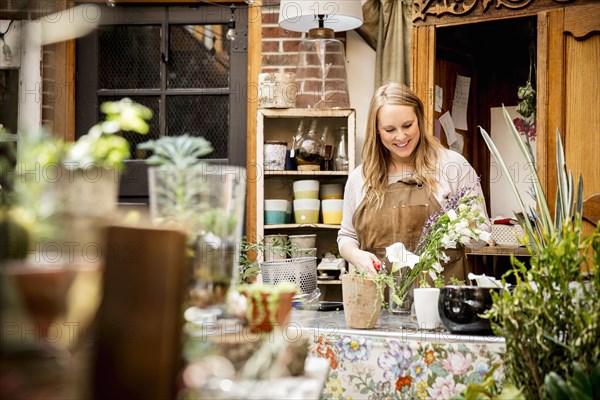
x=456 y=223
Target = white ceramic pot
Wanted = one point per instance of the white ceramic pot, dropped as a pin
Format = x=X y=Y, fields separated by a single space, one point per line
x=332 y=211
x=306 y=211
x=426 y=308
x=306 y=189
x=332 y=191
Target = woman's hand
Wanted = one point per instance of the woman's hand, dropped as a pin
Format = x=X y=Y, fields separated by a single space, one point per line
x=365 y=261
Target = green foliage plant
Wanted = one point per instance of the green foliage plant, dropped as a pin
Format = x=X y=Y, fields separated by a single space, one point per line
x=102 y=147
x=253 y=252
x=179 y=185
x=540 y=224
x=551 y=318
x=582 y=385
x=488 y=389
x=28 y=170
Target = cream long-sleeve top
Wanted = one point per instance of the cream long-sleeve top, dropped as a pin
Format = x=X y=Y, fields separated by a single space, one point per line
x=453 y=172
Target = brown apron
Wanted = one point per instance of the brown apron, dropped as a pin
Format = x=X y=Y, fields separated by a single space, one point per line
x=407 y=206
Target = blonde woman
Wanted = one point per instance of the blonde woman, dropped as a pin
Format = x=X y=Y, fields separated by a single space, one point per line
x=405 y=177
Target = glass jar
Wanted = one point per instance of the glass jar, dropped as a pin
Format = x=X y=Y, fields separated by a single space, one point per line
x=310 y=148
x=321 y=74
x=341 y=152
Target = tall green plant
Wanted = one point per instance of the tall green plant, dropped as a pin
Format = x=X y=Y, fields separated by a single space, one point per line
x=551 y=319
x=540 y=224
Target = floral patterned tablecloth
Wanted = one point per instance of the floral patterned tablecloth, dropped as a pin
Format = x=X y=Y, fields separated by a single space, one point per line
x=396 y=360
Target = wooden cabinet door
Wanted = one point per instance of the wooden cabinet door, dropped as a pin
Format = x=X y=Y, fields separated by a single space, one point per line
x=569 y=94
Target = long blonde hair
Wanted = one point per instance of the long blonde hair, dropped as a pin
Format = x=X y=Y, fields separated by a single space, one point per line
x=375 y=156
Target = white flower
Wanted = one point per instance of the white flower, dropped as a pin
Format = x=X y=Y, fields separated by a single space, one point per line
x=400 y=257
x=436 y=268
x=465 y=237
x=452 y=215
x=448 y=242
x=445 y=258
x=461 y=225
x=79 y=154
x=485 y=236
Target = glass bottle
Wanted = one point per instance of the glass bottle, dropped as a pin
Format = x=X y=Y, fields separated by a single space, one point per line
x=341 y=152
x=310 y=149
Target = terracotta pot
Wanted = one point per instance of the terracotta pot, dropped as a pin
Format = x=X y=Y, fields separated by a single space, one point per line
x=43 y=289
x=263 y=316
x=360 y=310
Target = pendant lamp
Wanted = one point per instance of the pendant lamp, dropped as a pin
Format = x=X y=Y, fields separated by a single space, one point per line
x=321 y=69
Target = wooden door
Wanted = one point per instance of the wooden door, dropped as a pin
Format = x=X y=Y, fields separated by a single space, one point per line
x=569 y=94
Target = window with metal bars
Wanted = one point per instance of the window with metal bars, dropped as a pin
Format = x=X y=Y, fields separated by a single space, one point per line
x=177 y=61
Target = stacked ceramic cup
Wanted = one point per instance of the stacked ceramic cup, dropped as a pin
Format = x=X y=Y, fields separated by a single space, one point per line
x=276 y=211
x=306 y=201
x=303 y=245
x=332 y=203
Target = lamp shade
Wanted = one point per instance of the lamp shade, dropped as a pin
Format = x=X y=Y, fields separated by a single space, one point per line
x=302 y=15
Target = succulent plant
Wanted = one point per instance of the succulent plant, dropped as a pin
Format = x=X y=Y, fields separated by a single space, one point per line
x=177 y=151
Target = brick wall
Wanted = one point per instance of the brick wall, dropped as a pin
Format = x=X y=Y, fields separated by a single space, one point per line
x=280 y=54
x=279 y=47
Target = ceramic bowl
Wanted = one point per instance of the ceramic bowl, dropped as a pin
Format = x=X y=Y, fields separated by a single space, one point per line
x=460 y=308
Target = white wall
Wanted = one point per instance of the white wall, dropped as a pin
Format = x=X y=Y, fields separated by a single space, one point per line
x=502 y=199
x=360 y=67
x=24 y=41
x=30 y=76
x=12 y=38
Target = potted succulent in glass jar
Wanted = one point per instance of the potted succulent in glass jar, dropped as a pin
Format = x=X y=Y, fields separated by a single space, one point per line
x=207 y=202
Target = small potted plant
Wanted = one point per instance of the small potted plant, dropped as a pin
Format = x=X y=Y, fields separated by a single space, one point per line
x=359 y=289
x=61 y=191
x=268 y=306
x=269 y=248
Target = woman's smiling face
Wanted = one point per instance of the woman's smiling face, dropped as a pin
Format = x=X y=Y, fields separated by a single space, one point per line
x=398 y=128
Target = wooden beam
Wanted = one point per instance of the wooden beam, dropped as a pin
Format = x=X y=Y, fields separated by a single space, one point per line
x=422 y=70
x=254 y=172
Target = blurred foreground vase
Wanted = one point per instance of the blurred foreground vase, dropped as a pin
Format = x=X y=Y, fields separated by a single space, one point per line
x=137 y=346
x=362 y=302
x=207 y=202
x=56 y=290
x=87 y=200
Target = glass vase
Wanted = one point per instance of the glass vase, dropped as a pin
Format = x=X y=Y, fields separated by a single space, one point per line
x=207 y=202
x=408 y=295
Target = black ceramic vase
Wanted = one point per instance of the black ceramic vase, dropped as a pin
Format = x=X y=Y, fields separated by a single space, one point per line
x=460 y=308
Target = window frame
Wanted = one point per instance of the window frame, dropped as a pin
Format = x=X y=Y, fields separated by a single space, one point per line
x=134 y=183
